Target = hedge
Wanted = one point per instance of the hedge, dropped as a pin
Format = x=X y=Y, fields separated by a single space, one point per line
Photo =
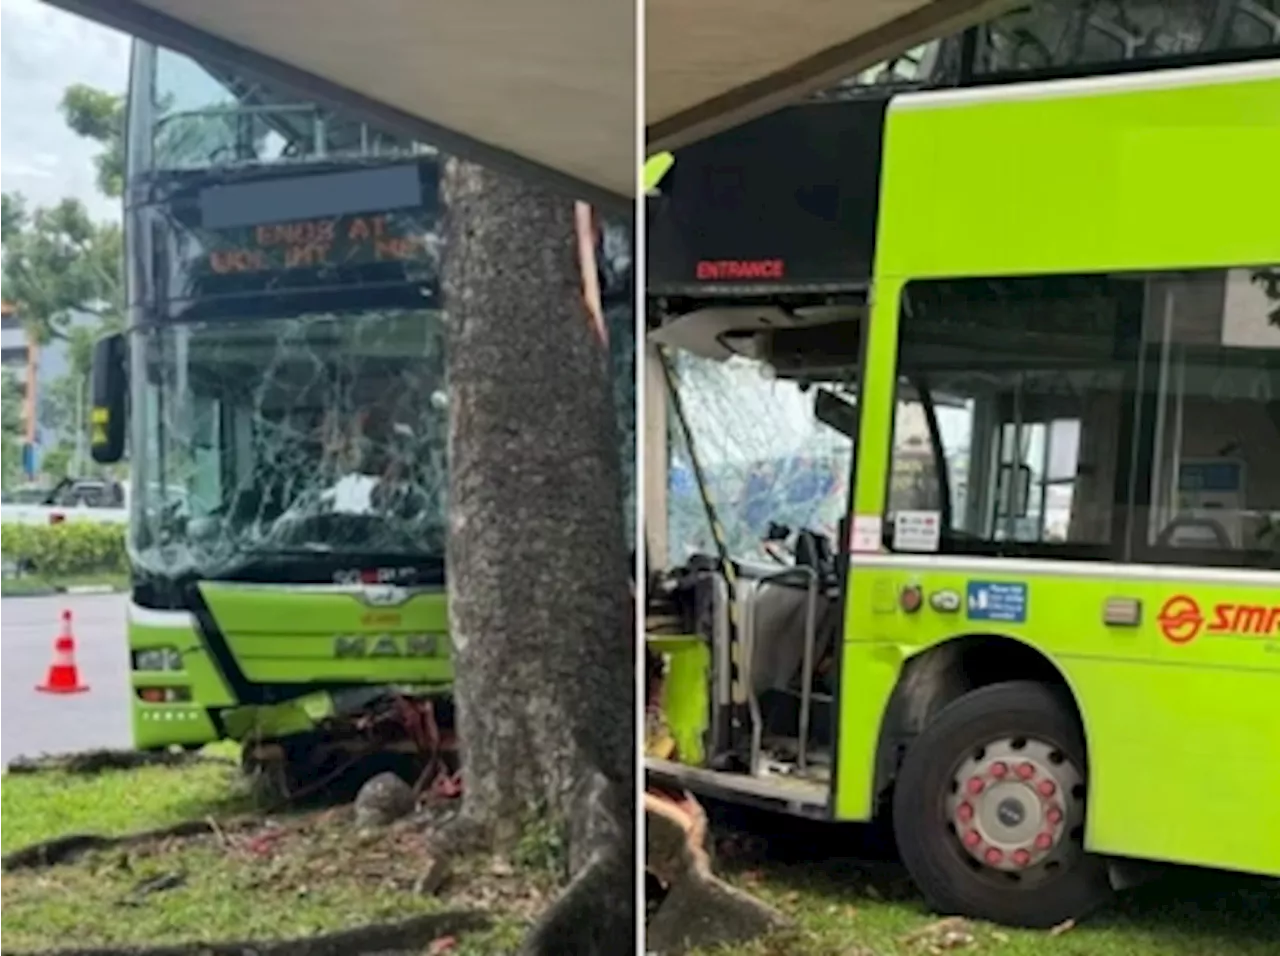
x=62 y=550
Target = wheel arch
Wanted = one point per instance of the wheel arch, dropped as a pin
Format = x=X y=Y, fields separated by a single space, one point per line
x=944 y=672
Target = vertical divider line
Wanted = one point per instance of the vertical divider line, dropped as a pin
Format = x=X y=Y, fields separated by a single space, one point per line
x=638 y=264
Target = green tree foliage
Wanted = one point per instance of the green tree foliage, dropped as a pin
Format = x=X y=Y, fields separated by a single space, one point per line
x=99 y=116
x=11 y=408
x=58 y=261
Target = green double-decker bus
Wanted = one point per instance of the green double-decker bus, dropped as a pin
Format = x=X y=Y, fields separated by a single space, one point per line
x=1036 y=624
x=281 y=395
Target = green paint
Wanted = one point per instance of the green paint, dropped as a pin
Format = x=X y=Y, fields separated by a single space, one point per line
x=656 y=168
x=1144 y=179
x=686 y=701
x=162 y=725
x=289 y=635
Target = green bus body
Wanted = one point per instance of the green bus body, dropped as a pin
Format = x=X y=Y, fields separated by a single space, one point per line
x=1182 y=738
x=1173 y=664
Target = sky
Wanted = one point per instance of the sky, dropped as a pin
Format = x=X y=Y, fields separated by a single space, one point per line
x=42 y=52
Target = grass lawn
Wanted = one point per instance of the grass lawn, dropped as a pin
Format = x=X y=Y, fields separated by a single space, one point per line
x=846 y=906
x=294 y=875
x=41 y=806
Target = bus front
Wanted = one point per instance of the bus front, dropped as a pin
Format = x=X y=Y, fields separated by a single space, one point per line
x=286 y=412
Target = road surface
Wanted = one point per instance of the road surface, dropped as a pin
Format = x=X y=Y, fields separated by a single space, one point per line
x=35 y=723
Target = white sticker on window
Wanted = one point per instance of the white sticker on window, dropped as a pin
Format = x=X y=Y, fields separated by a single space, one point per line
x=867 y=532
x=917 y=531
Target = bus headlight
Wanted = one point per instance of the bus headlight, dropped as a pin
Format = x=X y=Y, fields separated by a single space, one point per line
x=157 y=659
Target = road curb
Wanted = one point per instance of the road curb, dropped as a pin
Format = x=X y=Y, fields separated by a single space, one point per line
x=53 y=591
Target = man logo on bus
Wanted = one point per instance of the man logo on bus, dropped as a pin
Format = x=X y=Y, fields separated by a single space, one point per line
x=1181 y=620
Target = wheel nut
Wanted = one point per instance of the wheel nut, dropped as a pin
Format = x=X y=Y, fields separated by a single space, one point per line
x=1026 y=771
x=964 y=813
x=999 y=769
x=1021 y=857
x=1053 y=815
x=975 y=785
x=1044 y=841
x=1047 y=788
x=971 y=839
x=994 y=857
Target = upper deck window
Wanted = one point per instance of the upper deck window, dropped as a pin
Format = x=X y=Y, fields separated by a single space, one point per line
x=188 y=115
x=1091 y=35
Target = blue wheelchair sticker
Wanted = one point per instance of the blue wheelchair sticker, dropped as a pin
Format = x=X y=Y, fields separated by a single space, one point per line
x=997 y=601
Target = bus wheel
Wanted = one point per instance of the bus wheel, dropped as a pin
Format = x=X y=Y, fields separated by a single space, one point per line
x=988 y=810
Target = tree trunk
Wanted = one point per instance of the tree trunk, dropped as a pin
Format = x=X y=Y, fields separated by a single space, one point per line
x=542 y=642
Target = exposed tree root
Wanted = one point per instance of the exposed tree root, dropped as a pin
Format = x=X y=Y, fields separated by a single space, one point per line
x=91 y=762
x=69 y=848
x=410 y=935
x=595 y=915
x=698 y=910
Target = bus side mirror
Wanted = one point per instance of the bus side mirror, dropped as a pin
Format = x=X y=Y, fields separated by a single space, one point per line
x=109 y=388
x=836 y=412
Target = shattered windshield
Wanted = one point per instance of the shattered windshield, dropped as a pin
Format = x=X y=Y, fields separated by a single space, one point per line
x=764 y=456
x=279 y=438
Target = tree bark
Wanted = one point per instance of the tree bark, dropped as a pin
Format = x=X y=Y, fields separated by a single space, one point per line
x=542 y=642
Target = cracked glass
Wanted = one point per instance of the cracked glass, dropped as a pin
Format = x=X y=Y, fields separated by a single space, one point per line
x=763 y=454
x=287 y=437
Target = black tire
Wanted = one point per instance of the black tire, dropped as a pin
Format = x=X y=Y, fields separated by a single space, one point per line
x=956 y=883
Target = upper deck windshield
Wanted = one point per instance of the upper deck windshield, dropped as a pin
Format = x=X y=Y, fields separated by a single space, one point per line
x=288 y=438
x=185 y=115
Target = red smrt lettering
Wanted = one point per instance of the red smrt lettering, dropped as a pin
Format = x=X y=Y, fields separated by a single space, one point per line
x=1244 y=619
x=1181 y=620
x=720 y=270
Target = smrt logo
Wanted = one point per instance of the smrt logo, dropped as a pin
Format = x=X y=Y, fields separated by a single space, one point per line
x=1181 y=621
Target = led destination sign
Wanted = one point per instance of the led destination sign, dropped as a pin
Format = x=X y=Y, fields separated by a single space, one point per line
x=318 y=243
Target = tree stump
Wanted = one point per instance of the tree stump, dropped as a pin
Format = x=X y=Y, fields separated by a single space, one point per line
x=699 y=909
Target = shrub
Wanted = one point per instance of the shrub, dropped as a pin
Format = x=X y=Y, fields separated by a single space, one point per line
x=62 y=550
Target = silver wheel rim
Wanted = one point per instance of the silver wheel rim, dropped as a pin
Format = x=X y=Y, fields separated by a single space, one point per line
x=1016 y=807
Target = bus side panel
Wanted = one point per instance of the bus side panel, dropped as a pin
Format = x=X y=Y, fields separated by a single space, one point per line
x=1183 y=740
x=1062 y=183
x=881 y=637
x=1213 y=722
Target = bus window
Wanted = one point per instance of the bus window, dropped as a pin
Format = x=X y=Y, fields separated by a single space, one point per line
x=1211 y=349
x=1015 y=390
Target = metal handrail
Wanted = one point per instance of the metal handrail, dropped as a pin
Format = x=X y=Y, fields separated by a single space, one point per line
x=806 y=681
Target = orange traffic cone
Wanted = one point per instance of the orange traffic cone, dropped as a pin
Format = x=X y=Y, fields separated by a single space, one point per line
x=64 y=676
